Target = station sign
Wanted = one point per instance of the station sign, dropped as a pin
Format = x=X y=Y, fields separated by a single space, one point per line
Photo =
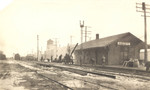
x=124 y=43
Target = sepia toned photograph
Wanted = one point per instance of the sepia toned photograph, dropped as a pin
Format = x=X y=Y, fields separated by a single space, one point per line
x=74 y=45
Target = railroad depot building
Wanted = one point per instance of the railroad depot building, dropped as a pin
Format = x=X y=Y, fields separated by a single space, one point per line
x=116 y=49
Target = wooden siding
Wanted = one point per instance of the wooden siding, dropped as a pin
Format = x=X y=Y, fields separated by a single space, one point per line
x=112 y=52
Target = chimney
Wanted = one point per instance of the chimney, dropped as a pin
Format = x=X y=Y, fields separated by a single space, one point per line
x=97 y=36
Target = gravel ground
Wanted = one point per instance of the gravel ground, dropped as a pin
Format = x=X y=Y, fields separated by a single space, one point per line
x=120 y=83
x=16 y=75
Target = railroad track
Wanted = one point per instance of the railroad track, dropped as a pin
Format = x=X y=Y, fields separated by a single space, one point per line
x=38 y=70
x=84 y=80
x=4 y=75
x=93 y=83
x=78 y=71
x=106 y=73
x=52 y=80
x=98 y=84
x=81 y=79
x=81 y=72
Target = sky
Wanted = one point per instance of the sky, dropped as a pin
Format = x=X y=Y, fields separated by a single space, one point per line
x=22 y=20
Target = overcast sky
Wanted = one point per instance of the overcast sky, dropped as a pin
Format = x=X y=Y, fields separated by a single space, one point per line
x=22 y=20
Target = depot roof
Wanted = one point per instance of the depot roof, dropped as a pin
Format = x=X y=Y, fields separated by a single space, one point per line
x=103 y=42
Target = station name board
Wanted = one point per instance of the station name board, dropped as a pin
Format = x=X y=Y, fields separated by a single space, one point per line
x=124 y=43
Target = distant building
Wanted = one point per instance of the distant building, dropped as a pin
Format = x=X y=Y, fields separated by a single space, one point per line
x=66 y=49
x=54 y=51
x=2 y=56
x=116 y=49
x=30 y=57
x=51 y=49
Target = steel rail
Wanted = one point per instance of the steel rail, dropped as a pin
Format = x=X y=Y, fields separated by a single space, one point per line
x=54 y=81
x=96 y=84
x=79 y=71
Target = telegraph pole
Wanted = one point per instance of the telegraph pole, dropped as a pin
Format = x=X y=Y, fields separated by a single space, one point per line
x=81 y=26
x=86 y=32
x=145 y=35
x=56 y=46
x=38 y=47
x=71 y=40
x=144 y=8
x=41 y=54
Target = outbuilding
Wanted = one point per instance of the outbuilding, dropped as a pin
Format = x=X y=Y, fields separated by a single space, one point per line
x=116 y=49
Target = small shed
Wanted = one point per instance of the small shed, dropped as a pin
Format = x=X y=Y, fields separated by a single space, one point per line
x=116 y=49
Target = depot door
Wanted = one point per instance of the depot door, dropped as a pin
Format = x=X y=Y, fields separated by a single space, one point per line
x=124 y=53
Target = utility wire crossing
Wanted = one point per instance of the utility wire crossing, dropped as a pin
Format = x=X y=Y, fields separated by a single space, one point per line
x=142 y=7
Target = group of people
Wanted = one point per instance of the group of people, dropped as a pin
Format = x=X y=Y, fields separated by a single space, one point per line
x=103 y=60
x=135 y=63
x=67 y=59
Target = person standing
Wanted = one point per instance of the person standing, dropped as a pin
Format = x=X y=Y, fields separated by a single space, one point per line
x=147 y=65
x=60 y=58
x=103 y=60
x=92 y=61
x=71 y=59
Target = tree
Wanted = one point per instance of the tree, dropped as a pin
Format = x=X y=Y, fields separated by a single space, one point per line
x=17 y=56
x=2 y=56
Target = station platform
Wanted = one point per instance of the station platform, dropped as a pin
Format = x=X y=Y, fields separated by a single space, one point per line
x=140 y=68
x=118 y=67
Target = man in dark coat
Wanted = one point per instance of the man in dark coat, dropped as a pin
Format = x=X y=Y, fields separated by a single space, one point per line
x=92 y=61
x=147 y=65
x=60 y=57
x=66 y=58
